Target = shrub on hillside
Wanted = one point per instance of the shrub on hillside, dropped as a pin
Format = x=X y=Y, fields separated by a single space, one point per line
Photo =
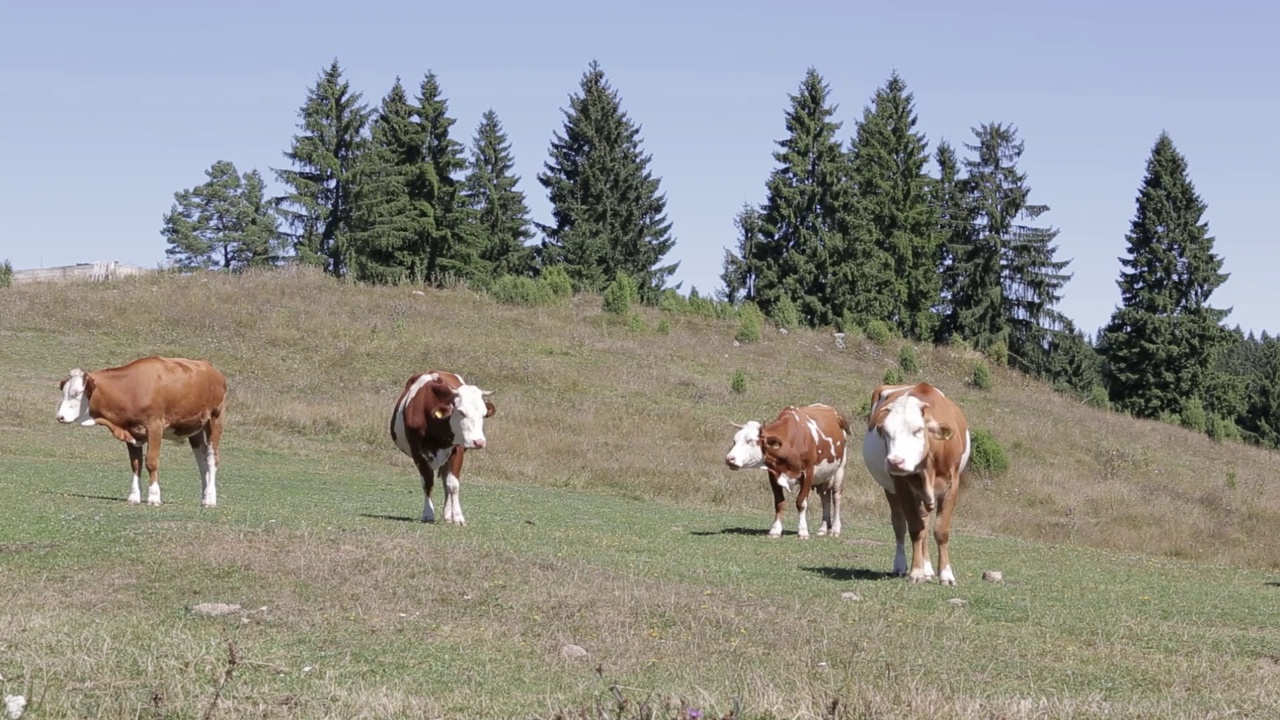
x=750 y=321
x=785 y=314
x=986 y=457
x=999 y=353
x=1097 y=397
x=664 y=327
x=1221 y=429
x=556 y=280
x=672 y=302
x=892 y=376
x=878 y=331
x=738 y=383
x=520 y=290
x=907 y=359
x=1193 y=416
x=6 y=274
x=981 y=377
x=621 y=294
x=634 y=324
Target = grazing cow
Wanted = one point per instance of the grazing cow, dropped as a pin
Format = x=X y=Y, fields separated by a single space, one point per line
x=437 y=418
x=149 y=399
x=916 y=446
x=803 y=448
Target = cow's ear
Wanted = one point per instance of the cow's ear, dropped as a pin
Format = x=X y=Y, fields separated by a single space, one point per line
x=939 y=430
x=89 y=384
x=489 y=409
x=773 y=442
x=442 y=411
x=63 y=383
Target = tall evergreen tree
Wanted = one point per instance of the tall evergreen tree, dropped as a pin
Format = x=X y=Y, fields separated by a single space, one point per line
x=801 y=233
x=1162 y=343
x=450 y=244
x=383 y=246
x=1071 y=362
x=318 y=206
x=609 y=216
x=955 y=227
x=1033 y=280
x=499 y=210
x=738 y=274
x=895 y=226
x=225 y=222
x=1261 y=418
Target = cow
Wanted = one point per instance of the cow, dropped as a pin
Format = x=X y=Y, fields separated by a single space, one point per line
x=436 y=419
x=146 y=400
x=917 y=445
x=802 y=448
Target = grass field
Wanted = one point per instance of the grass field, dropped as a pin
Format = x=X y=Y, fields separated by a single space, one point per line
x=1139 y=560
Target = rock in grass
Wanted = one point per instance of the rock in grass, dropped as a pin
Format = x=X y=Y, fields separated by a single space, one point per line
x=846 y=595
x=958 y=602
x=994 y=576
x=572 y=652
x=215 y=609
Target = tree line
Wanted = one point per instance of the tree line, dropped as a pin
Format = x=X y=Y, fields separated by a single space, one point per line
x=882 y=234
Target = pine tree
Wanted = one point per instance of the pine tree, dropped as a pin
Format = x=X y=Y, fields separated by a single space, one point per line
x=1162 y=343
x=224 y=222
x=1261 y=419
x=801 y=234
x=1071 y=362
x=499 y=210
x=609 y=216
x=318 y=204
x=1033 y=280
x=955 y=227
x=383 y=247
x=448 y=239
x=738 y=274
x=895 y=226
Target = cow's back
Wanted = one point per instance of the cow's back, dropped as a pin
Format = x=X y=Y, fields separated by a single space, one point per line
x=180 y=391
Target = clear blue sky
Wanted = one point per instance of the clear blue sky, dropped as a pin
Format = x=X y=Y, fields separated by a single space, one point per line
x=108 y=108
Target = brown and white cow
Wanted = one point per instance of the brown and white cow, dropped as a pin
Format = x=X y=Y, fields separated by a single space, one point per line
x=437 y=418
x=149 y=399
x=916 y=446
x=802 y=448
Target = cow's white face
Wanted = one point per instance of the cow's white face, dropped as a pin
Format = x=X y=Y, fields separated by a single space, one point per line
x=74 y=407
x=906 y=430
x=746 y=451
x=466 y=416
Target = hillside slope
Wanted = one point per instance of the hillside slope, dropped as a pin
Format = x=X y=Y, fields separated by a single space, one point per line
x=314 y=366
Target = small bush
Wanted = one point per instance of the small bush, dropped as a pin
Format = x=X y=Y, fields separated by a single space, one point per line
x=621 y=294
x=999 y=353
x=892 y=376
x=981 y=376
x=738 y=383
x=749 y=323
x=634 y=324
x=1097 y=397
x=704 y=306
x=986 y=457
x=907 y=359
x=847 y=324
x=6 y=274
x=664 y=327
x=1221 y=429
x=878 y=331
x=519 y=290
x=784 y=314
x=673 y=302
x=1193 y=416
x=556 y=280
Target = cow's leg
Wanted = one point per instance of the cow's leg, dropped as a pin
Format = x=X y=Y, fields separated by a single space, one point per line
x=942 y=534
x=779 y=504
x=835 y=490
x=428 y=474
x=450 y=475
x=155 y=431
x=214 y=438
x=917 y=521
x=802 y=504
x=899 y=519
x=200 y=448
x=135 y=463
x=824 y=494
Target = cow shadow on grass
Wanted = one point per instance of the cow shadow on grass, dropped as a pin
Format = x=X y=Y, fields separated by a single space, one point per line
x=845 y=574
x=394 y=518
x=1273 y=583
x=737 y=531
x=104 y=498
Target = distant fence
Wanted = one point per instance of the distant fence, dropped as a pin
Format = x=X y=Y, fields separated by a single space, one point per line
x=100 y=270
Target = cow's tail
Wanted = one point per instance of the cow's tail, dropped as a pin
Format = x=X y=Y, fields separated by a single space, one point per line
x=844 y=423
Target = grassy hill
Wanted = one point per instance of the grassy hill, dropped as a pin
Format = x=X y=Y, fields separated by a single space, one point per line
x=1138 y=558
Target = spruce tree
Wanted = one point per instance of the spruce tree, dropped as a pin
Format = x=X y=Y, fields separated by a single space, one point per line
x=950 y=198
x=608 y=214
x=1161 y=344
x=1033 y=280
x=225 y=222
x=801 y=234
x=894 y=223
x=738 y=272
x=1261 y=418
x=383 y=246
x=318 y=205
x=1072 y=364
x=499 y=211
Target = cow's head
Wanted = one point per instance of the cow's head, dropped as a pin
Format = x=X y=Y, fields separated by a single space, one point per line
x=746 y=451
x=466 y=409
x=76 y=388
x=907 y=425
